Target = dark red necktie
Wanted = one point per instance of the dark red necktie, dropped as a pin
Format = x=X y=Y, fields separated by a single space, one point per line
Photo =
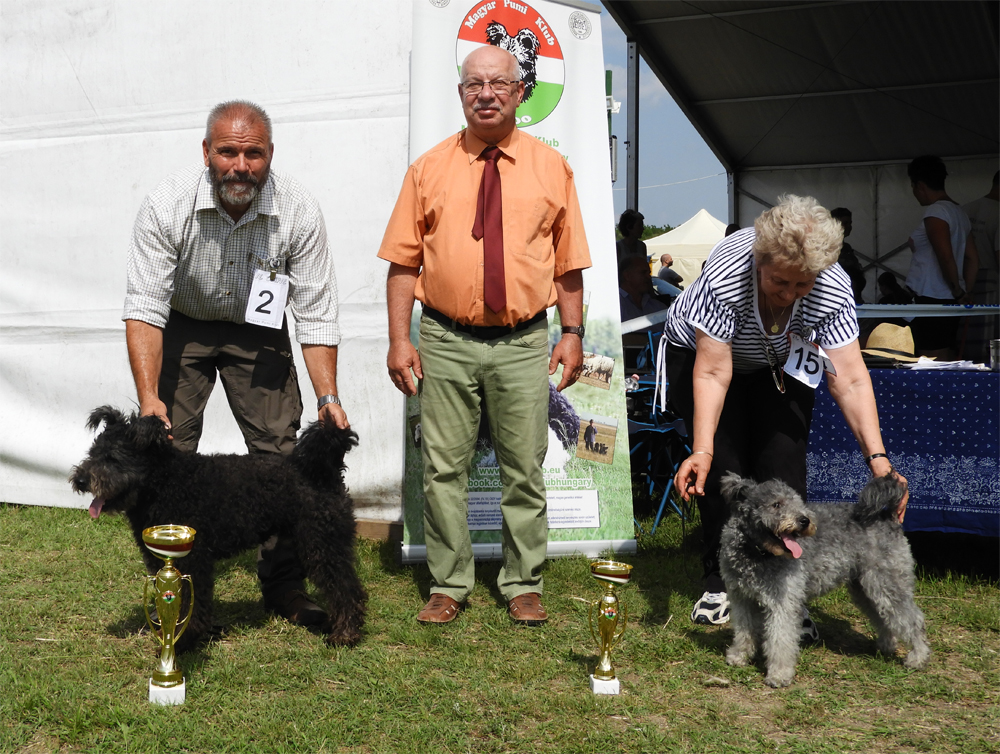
x=489 y=227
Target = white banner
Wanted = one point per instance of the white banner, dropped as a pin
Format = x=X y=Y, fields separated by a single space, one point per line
x=558 y=47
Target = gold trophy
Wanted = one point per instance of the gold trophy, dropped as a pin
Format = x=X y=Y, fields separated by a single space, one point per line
x=611 y=619
x=167 y=543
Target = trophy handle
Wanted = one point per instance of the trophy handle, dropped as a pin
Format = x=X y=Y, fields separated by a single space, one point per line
x=183 y=624
x=623 y=612
x=155 y=625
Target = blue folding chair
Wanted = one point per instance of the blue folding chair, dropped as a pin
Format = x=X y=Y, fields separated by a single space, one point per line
x=660 y=445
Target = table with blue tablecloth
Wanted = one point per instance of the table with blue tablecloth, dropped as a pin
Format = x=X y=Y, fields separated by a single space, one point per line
x=942 y=432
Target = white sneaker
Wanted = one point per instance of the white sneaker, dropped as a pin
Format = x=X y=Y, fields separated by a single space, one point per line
x=711 y=609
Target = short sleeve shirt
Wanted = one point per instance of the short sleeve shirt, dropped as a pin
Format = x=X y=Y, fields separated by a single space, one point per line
x=723 y=300
x=431 y=227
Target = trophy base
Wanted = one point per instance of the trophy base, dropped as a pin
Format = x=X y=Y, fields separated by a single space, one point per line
x=611 y=687
x=166 y=697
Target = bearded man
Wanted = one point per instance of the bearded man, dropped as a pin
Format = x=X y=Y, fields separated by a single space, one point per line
x=216 y=251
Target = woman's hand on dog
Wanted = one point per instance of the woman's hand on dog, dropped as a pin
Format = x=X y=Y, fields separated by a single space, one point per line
x=690 y=478
x=882 y=467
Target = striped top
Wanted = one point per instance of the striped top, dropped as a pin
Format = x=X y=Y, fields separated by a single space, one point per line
x=723 y=300
x=188 y=254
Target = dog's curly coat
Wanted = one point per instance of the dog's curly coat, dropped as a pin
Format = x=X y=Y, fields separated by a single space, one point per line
x=777 y=554
x=235 y=502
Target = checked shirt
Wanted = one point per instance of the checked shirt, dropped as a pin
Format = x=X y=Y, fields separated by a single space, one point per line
x=187 y=254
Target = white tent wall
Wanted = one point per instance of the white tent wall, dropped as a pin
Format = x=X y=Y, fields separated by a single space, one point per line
x=883 y=209
x=101 y=101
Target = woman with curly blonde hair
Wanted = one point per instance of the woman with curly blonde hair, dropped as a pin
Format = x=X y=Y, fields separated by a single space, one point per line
x=730 y=361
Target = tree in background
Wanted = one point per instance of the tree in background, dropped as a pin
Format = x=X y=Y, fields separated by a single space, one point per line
x=649 y=231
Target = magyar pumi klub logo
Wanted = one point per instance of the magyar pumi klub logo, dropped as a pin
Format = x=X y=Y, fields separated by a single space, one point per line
x=521 y=30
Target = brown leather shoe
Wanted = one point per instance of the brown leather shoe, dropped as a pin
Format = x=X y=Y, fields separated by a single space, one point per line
x=527 y=609
x=296 y=607
x=439 y=609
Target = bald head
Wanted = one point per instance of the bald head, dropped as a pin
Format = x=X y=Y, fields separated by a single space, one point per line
x=491 y=111
x=491 y=56
x=240 y=113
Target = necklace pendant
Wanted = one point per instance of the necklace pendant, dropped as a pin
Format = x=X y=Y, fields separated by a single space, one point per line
x=774 y=328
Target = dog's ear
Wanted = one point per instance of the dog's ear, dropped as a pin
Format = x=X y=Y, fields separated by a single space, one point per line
x=733 y=485
x=107 y=415
x=149 y=432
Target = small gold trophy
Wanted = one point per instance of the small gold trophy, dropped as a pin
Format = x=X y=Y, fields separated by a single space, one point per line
x=611 y=619
x=167 y=543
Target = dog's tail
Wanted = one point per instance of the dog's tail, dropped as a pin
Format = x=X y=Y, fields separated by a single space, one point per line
x=879 y=501
x=320 y=452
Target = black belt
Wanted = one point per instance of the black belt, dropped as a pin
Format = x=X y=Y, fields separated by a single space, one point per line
x=482 y=332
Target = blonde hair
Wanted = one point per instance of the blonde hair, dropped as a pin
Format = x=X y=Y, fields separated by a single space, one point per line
x=798 y=233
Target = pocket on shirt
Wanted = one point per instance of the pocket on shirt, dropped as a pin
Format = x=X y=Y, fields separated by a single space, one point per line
x=533 y=221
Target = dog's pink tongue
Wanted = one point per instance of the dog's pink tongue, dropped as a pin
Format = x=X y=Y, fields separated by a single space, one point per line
x=95 y=507
x=792 y=546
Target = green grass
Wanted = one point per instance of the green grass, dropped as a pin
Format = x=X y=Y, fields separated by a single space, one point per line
x=74 y=667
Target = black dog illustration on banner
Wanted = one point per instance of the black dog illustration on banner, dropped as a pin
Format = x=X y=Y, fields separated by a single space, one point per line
x=523 y=46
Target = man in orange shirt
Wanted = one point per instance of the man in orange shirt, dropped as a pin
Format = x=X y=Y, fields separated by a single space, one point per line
x=485 y=270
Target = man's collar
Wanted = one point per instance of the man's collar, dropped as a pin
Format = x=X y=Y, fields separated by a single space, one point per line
x=474 y=146
x=263 y=204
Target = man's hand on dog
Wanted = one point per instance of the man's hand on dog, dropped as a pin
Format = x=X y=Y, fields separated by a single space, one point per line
x=333 y=415
x=156 y=407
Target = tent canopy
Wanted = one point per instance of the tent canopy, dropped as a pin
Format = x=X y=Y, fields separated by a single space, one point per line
x=689 y=244
x=780 y=83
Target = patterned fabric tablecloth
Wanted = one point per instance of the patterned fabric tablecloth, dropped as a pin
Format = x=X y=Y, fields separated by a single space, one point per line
x=941 y=430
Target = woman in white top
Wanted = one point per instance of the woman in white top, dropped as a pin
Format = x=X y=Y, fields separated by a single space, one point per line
x=944 y=265
x=728 y=336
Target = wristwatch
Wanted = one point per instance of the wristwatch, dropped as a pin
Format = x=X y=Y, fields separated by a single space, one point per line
x=574 y=330
x=327 y=399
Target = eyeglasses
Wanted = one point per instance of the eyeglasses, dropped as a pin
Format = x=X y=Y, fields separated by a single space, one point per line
x=500 y=86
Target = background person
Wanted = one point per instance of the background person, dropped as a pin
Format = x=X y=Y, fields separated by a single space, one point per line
x=479 y=349
x=984 y=217
x=197 y=241
x=945 y=263
x=891 y=291
x=848 y=258
x=665 y=273
x=726 y=345
x=636 y=296
x=630 y=224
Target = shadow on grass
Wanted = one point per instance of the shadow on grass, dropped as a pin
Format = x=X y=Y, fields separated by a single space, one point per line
x=941 y=553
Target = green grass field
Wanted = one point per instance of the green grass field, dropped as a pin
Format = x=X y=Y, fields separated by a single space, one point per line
x=74 y=664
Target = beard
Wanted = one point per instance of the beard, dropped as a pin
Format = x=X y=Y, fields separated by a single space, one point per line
x=229 y=189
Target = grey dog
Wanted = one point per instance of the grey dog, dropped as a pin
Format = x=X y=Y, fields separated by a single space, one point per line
x=777 y=554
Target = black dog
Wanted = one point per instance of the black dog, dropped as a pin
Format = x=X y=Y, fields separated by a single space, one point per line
x=234 y=502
